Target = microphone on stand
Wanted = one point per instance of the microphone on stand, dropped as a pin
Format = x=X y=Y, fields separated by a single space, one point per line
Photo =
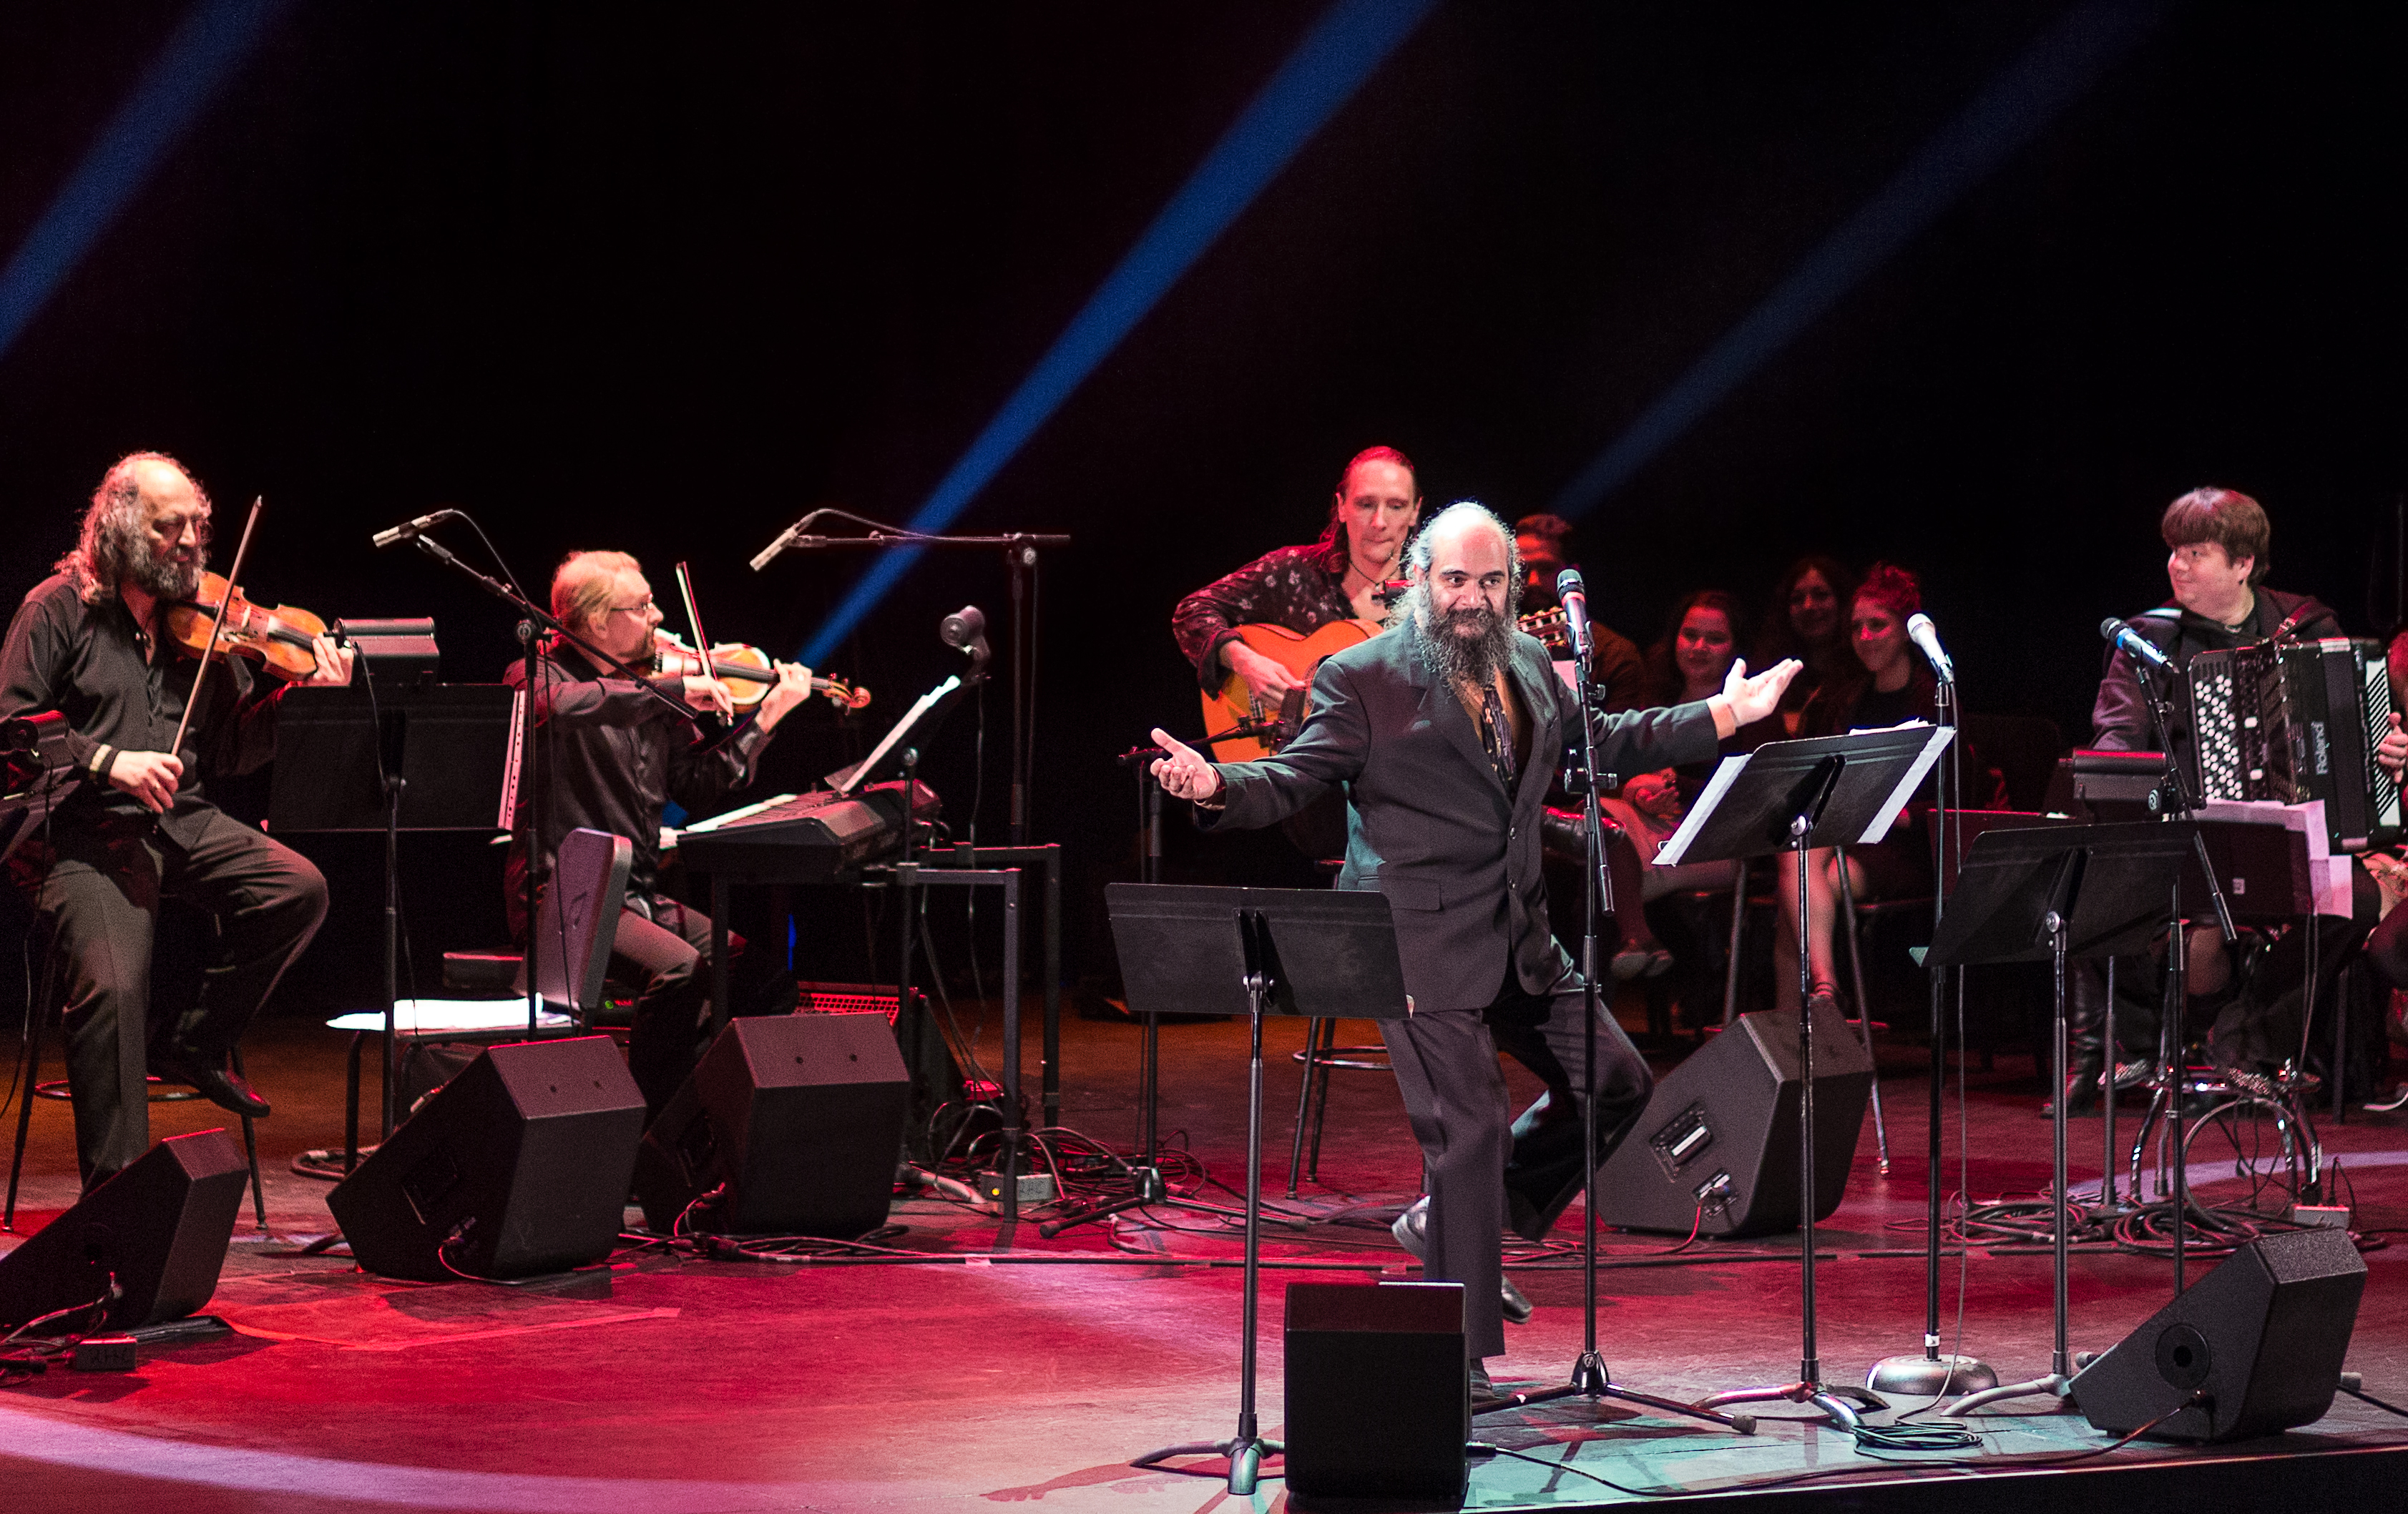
x=1574 y=595
x=1919 y=630
x=2134 y=645
x=409 y=530
x=965 y=631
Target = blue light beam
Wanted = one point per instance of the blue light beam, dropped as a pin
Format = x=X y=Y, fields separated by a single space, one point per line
x=1350 y=42
x=2057 y=69
x=203 y=53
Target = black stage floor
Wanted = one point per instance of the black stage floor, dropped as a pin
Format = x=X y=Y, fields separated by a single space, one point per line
x=992 y=1369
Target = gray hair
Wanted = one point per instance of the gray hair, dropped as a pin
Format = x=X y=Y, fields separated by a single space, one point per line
x=110 y=544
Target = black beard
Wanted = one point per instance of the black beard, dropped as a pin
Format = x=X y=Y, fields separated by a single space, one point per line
x=1476 y=658
x=166 y=579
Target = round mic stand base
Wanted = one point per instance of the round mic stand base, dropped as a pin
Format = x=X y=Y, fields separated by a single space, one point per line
x=1922 y=1375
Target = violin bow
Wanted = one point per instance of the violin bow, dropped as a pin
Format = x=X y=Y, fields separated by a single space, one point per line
x=694 y=617
x=217 y=623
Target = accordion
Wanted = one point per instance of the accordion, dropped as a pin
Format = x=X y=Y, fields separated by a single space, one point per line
x=2297 y=721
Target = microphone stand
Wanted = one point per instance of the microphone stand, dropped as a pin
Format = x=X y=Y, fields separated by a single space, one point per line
x=1929 y=1374
x=1590 y=1377
x=1020 y=549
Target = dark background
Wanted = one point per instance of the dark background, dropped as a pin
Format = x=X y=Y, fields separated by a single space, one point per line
x=663 y=284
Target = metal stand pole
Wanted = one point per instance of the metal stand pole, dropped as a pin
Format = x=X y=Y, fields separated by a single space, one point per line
x=1838 y=1402
x=1929 y=1374
x=2060 y=1372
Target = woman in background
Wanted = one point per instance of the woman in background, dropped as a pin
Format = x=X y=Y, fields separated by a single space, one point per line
x=1888 y=685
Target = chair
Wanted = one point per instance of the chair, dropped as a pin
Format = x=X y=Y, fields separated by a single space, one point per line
x=29 y=1078
x=1321 y=1054
x=578 y=917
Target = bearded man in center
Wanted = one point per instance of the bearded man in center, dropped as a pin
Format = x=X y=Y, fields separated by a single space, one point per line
x=1443 y=734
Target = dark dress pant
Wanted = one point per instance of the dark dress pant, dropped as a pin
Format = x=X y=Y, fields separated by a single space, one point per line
x=1485 y=1167
x=101 y=888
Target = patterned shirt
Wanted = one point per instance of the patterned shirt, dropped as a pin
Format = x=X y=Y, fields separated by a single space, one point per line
x=1300 y=588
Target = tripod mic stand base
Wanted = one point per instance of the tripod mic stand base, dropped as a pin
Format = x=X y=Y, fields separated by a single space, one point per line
x=2056 y=1385
x=1245 y=1455
x=1591 y=1379
x=1838 y=1402
x=1929 y=1376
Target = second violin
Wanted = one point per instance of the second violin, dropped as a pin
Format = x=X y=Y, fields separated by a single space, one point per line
x=749 y=672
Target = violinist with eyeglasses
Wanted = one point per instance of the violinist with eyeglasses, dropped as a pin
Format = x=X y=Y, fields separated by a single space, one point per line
x=109 y=642
x=615 y=754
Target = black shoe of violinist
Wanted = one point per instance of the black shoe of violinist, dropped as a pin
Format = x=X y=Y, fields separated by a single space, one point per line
x=210 y=1077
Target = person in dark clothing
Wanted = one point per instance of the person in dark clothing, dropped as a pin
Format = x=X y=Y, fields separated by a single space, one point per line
x=90 y=643
x=1442 y=734
x=1616 y=670
x=1891 y=686
x=1807 y=619
x=2216 y=564
x=614 y=755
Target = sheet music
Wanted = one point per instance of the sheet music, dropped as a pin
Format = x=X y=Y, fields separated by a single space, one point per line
x=1906 y=785
x=911 y=720
x=1672 y=852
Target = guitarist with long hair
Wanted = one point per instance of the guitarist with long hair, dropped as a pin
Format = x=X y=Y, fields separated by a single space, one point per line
x=1307 y=589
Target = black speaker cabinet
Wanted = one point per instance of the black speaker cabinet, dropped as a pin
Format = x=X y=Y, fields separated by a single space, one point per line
x=518 y=1166
x=161 y=1227
x=1722 y=1131
x=2263 y=1335
x=1378 y=1405
x=801 y=1116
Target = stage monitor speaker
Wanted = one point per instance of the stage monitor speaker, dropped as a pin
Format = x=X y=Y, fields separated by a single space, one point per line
x=160 y=1228
x=1378 y=1403
x=2261 y=1338
x=1717 y=1146
x=516 y=1167
x=801 y=1116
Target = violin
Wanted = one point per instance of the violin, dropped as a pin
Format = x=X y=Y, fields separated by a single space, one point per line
x=749 y=672
x=282 y=640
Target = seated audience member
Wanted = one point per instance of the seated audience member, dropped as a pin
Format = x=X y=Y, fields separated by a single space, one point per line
x=1807 y=619
x=1545 y=543
x=1700 y=642
x=1891 y=685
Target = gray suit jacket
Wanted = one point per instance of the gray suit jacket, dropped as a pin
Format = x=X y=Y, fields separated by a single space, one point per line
x=1428 y=823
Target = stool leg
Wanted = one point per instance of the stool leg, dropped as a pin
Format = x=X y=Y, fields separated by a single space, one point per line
x=29 y=1071
x=1739 y=926
x=29 y=1074
x=351 y=1104
x=1321 y=1101
x=250 y=1150
x=1864 y=1010
x=1303 y=1103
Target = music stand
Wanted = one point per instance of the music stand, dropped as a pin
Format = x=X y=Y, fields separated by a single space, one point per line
x=409 y=758
x=1796 y=796
x=2056 y=894
x=1314 y=952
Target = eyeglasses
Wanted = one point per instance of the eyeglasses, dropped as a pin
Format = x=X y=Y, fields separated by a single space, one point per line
x=641 y=606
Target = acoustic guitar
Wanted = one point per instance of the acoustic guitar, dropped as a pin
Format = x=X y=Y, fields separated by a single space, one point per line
x=1239 y=727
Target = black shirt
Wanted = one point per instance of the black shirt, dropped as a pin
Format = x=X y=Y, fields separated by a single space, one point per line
x=92 y=665
x=612 y=756
x=2120 y=717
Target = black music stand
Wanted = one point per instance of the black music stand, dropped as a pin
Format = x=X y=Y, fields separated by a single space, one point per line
x=1318 y=953
x=1795 y=796
x=408 y=758
x=2055 y=895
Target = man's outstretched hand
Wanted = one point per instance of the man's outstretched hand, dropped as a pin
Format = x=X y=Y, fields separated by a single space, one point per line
x=1185 y=774
x=1747 y=700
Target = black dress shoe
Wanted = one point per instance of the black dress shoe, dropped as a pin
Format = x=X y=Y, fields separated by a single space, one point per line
x=210 y=1079
x=1411 y=1231
x=1477 y=1381
x=1517 y=1305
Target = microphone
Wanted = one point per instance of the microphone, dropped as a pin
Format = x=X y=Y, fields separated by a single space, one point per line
x=965 y=630
x=1574 y=595
x=2134 y=645
x=1920 y=631
x=409 y=530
